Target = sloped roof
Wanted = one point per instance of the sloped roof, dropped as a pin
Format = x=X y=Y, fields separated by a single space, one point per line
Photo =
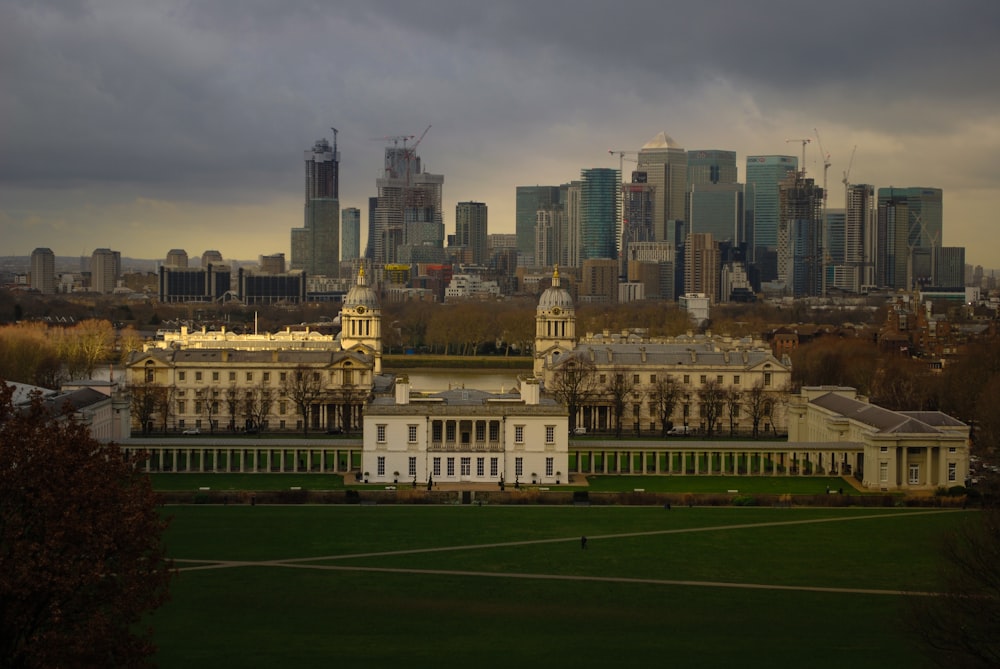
x=631 y=355
x=883 y=420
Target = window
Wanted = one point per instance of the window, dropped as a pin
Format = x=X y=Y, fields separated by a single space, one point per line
x=952 y=471
x=180 y=407
x=703 y=379
x=883 y=471
x=687 y=378
x=549 y=462
x=411 y=433
x=380 y=466
x=449 y=431
x=480 y=467
x=550 y=434
x=316 y=377
x=232 y=376
x=411 y=469
x=466 y=466
x=602 y=379
x=952 y=449
x=436 y=466
x=718 y=378
x=518 y=466
x=495 y=431
x=197 y=406
x=436 y=431
x=767 y=378
x=283 y=376
x=884 y=449
x=249 y=376
x=736 y=380
x=494 y=466
x=380 y=433
x=451 y=466
x=197 y=376
x=181 y=376
x=635 y=378
x=267 y=377
x=652 y=378
x=518 y=434
x=480 y=431
x=282 y=407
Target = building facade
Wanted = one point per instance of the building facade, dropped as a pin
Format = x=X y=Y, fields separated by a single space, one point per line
x=43 y=270
x=465 y=436
x=600 y=194
x=472 y=231
x=763 y=175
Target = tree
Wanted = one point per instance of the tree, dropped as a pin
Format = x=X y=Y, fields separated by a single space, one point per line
x=81 y=558
x=574 y=383
x=733 y=408
x=304 y=387
x=758 y=405
x=958 y=627
x=711 y=397
x=145 y=399
x=620 y=387
x=663 y=399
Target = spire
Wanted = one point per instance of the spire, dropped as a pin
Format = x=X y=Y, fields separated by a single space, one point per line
x=555 y=275
x=361 y=275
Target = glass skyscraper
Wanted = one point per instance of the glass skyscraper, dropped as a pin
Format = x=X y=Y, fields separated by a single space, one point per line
x=763 y=175
x=600 y=189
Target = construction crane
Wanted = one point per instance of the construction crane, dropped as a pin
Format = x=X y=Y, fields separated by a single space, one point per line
x=621 y=175
x=847 y=172
x=823 y=242
x=804 y=141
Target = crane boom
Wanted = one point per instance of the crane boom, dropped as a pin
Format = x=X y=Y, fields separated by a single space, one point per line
x=804 y=140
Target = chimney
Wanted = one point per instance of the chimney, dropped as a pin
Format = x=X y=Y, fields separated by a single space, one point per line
x=403 y=390
x=642 y=354
x=530 y=391
x=611 y=356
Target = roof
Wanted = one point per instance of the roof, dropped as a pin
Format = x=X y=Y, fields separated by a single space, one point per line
x=631 y=355
x=883 y=420
x=661 y=141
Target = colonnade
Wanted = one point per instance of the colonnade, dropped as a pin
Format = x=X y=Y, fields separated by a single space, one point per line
x=711 y=460
x=242 y=459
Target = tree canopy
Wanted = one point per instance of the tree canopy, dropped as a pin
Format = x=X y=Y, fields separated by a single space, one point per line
x=81 y=558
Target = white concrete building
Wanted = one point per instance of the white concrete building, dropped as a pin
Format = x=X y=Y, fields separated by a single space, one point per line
x=465 y=435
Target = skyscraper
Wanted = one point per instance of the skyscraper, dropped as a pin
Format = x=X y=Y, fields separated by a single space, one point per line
x=800 y=235
x=350 y=233
x=176 y=258
x=43 y=270
x=408 y=220
x=711 y=166
x=599 y=195
x=105 y=267
x=849 y=240
x=529 y=200
x=701 y=265
x=316 y=245
x=665 y=165
x=471 y=229
x=909 y=229
x=637 y=215
x=763 y=175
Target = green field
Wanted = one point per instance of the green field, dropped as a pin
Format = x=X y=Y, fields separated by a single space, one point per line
x=489 y=586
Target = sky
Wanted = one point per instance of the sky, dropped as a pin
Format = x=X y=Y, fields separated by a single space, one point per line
x=144 y=125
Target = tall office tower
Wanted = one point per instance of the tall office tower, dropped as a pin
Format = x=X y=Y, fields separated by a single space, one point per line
x=316 y=245
x=105 y=268
x=43 y=270
x=637 y=214
x=600 y=189
x=272 y=264
x=350 y=233
x=717 y=209
x=570 y=196
x=665 y=165
x=701 y=265
x=372 y=229
x=849 y=241
x=529 y=200
x=176 y=258
x=211 y=257
x=471 y=230
x=800 y=235
x=711 y=166
x=549 y=229
x=599 y=280
x=408 y=215
x=950 y=267
x=908 y=229
x=763 y=175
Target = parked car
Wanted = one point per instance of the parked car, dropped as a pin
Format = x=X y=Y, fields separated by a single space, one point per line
x=680 y=431
x=191 y=430
x=580 y=430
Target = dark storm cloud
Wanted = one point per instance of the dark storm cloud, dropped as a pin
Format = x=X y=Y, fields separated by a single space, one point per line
x=212 y=102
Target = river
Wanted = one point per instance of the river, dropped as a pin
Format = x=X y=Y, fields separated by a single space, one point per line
x=491 y=380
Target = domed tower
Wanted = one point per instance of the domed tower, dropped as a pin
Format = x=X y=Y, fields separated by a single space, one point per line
x=361 y=321
x=555 y=325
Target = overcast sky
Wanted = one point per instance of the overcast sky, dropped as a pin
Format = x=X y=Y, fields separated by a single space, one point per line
x=148 y=125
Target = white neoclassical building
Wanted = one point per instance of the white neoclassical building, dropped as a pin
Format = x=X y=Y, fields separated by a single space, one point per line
x=890 y=450
x=464 y=435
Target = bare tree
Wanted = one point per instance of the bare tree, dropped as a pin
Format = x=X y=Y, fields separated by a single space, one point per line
x=257 y=403
x=757 y=405
x=711 y=397
x=165 y=406
x=733 y=408
x=145 y=400
x=574 y=383
x=958 y=627
x=620 y=386
x=209 y=398
x=304 y=387
x=665 y=394
x=232 y=400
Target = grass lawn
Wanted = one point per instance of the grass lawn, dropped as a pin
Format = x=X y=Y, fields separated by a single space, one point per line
x=498 y=585
x=247 y=482
x=777 y=485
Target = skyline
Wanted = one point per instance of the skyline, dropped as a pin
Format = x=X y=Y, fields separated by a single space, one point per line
x=143 y=127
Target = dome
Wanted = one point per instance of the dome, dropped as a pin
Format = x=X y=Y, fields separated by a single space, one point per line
x=360 y=294
x=555 y=296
